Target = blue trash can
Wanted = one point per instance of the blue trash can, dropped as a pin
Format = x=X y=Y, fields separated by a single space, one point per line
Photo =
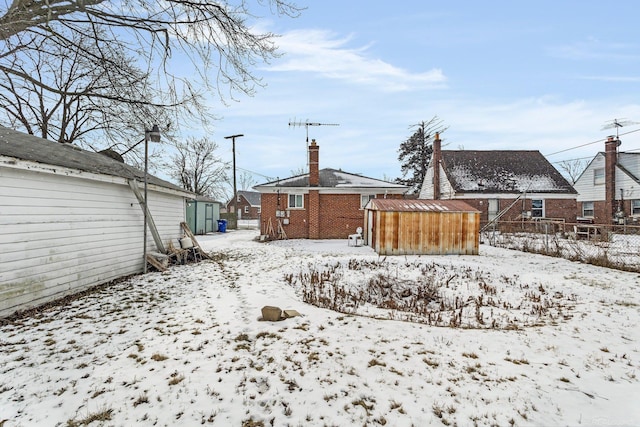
x=222 y=225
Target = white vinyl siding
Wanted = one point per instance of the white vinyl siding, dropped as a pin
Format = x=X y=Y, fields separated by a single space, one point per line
x=60 y=234
x=598 y=176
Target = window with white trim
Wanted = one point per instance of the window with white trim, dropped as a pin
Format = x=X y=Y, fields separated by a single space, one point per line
x=588 y=209
x=296 y=201
x=537 y=208
x=364 y=199
x=246 y=209
x=598 y=176
x=635 y=207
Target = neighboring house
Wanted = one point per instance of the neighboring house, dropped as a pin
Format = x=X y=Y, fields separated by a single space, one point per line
x=609 y=187
x=70 y=219
x=422 y=227
x=509 y=185
x=323 y=204
x=248 y=203
x=202 y=215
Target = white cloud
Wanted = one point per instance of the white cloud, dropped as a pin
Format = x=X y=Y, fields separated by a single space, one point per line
x=595 y=49
x=322 y=53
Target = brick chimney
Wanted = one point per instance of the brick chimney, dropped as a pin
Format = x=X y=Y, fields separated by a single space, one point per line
x=314 y=154
x=610 y=161
x=313 y=211
x=436 y=159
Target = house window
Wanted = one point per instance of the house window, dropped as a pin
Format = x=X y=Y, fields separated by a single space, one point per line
x=238 y=199
x=598 y=176
x=364 y=199
x=588 y=211
x=259 y=210
x=537 y=208
x=246 y=209
x=296 y=201
x=635 y=207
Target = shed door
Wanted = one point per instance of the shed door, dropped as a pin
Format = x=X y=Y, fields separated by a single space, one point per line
x=208 y=218
x=494 y=208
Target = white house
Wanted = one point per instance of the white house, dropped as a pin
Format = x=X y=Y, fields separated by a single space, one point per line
x=609 y=187
x=70 y=219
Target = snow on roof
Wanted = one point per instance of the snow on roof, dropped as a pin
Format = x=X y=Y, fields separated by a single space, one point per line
x=503 y=172
x=333 y=178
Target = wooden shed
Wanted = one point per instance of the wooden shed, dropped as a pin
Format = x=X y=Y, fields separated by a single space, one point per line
x=422 y=227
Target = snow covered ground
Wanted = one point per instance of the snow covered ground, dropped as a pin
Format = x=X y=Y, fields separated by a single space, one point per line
x=187 y=347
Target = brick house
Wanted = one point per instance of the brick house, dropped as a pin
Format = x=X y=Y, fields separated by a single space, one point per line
x=323 y=204
x=511 y=185
x=248 y=204
x=609 y=187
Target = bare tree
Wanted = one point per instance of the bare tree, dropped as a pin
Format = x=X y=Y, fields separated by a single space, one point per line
x=69 y=118
x=573 y=168
x=198 y=169
x=245 y=180
x=415 y=152
x=214 y=35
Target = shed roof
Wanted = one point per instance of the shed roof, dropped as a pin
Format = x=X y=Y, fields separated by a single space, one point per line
x=333 y=178
x=27 y=147
x=419 y=205
x=502 y=171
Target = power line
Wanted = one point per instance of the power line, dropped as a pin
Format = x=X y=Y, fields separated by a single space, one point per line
x=589 y=143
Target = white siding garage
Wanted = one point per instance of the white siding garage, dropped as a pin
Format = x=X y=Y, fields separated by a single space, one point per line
x=69 y=220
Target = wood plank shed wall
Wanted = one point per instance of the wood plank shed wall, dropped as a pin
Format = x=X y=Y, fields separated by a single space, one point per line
x=422 y=227
x=62 y=231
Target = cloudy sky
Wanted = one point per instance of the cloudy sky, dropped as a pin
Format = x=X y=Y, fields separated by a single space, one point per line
x=544 y=75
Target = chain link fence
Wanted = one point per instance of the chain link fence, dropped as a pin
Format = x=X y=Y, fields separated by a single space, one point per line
x=613 y=246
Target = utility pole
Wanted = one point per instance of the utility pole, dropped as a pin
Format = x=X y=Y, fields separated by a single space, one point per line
x=235 y=190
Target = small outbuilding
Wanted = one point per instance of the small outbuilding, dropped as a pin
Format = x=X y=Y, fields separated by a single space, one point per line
x=203 y=214
x=422 y=227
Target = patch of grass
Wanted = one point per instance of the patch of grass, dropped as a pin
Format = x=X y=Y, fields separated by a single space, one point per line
x=470 y=355
x=103 y=415
x=143 y=398
x=431 y=362
x=517 y=361
x=376 y=362
x=159 y=357
x=176 y=378
x=564 y=379
x=362 y=402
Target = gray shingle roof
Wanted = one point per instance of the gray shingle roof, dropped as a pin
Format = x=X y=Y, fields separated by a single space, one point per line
x=502 y=171
x=23 y=146
x=333 y=178
x=253 y=197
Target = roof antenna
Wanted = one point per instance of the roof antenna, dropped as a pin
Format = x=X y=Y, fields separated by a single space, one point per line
x=307 y=123
x=618 y=123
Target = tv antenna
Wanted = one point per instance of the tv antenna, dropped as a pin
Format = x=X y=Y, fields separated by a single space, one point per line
x=618 y=123
x=307 y=123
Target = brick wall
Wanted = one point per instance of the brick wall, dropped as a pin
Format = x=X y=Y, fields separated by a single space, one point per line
x=254 y=212
x=553 y=208
x=338 y=215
